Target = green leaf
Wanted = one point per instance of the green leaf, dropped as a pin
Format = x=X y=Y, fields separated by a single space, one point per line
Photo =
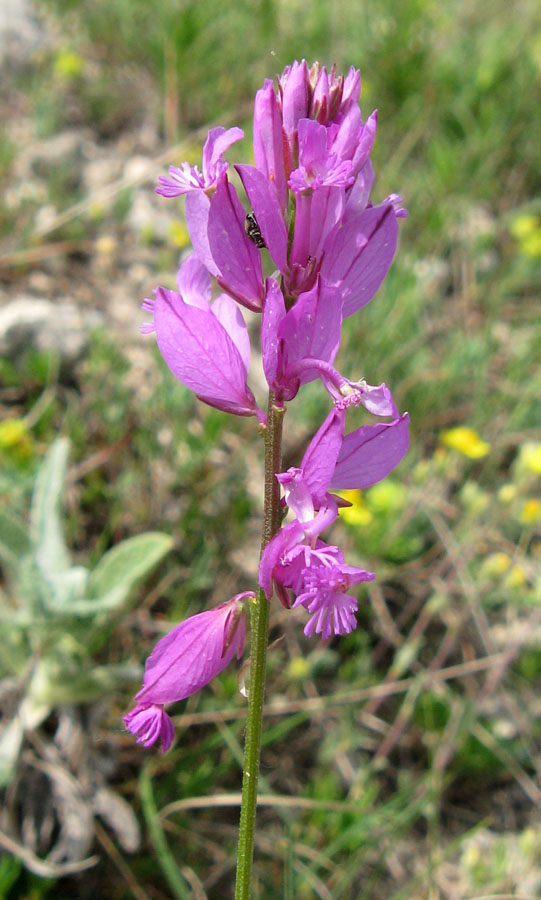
x=67 y=589
x=120 y=569
x=14 y=541
x=59 y=682
x=45 y=516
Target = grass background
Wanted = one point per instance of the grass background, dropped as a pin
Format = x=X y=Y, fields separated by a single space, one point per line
x=428 y=786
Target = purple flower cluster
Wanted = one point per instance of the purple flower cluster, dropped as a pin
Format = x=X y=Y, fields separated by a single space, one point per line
x=331 y=247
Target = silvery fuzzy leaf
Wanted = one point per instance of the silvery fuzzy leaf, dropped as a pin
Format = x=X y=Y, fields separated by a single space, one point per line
x=14 y=542
x=57 y=684
x=66 y=589
x=117 y=573
x=45 y=520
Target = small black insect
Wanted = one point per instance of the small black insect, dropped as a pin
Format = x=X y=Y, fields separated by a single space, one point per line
x=253 y=231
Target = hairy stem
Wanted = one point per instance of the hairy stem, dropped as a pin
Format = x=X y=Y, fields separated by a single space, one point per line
x=259 y=639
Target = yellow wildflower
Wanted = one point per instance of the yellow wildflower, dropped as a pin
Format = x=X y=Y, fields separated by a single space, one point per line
x=358 y=513
x=531 y=512
x=530 y=457
x=466 y=441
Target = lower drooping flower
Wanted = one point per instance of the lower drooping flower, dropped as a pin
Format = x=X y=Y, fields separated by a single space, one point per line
x=149 y=724
x=184 y=661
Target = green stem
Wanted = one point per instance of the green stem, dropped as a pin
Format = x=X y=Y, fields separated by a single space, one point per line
x=258 y=661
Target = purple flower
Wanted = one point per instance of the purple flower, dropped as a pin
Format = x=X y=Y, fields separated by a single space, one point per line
x=294 y=87
x=321 y=590
x=205 y=346
x=333 y=95
x=295 y=559
x=189 y=178
x=318 y=166
x=317 y=575
x=183 y=662
x=310 y=331
x=150 y=724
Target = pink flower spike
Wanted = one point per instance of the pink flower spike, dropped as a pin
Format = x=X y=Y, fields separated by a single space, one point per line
x=194 y=652
x=150 y=723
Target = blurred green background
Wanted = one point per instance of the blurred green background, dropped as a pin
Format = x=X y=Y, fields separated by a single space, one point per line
x=429 y=786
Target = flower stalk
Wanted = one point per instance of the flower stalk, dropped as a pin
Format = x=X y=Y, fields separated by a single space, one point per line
x=310 y=211
x=259 y=621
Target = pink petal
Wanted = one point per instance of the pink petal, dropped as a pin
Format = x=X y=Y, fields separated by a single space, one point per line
x=269 y=141
x=237 y=258
x=264 y=203
x=201 y=354
x=319 y=461
x=192 y=654
x=193 y=282
x=197 y=216
x=358 y=255
x=370 y=453
x=229 y=315
x=217 y=143
x=274 y=312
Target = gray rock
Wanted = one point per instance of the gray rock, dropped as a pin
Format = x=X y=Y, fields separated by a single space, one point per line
x=21 y=34
x=37 y=324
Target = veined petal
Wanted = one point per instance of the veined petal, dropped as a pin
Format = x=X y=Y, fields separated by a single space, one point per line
x=229 y=315
x=315 y=217
x=237 y=258
x=274 y=312
x=264 y=202
x=201 y=354
x=319 y=461
x=365 y=142
x=193 y=282
x=311 y=329
x=269 y=141
x=359 y=193
x=358 y=255
x=197 y=217
x=368 y=454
